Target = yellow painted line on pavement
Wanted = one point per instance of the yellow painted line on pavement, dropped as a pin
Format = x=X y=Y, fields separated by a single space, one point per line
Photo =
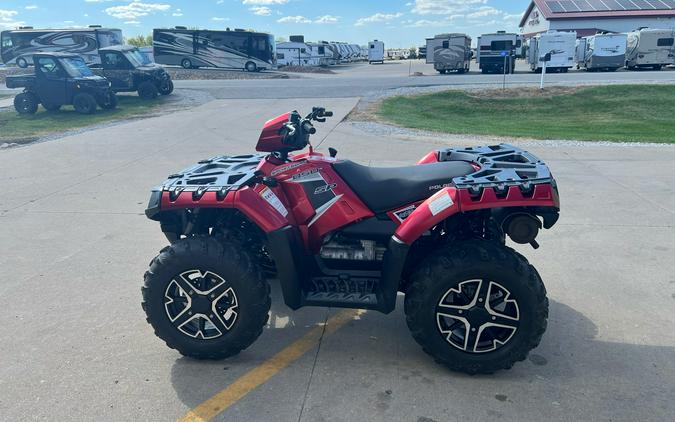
x=262 y=373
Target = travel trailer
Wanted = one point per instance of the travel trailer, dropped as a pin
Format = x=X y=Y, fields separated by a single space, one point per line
x=601 y=52
x=560 y=45
x=448 y=52
x=376 y=52
x=295 y=54
x=192 y=48
x=494 y=51
x=18 y=46
x=650 y=48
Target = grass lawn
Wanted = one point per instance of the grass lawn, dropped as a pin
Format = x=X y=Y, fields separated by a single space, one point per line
x=16 y=128
x=635 y=113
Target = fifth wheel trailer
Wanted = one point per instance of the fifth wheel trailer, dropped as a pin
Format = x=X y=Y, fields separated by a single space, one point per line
x=448 y=52
x=560 y=45
x=376 y=52
x=602 y=52
x=493 y=51
x=650 y=48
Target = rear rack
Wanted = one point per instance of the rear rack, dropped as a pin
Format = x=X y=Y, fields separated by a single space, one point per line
x=501 y=165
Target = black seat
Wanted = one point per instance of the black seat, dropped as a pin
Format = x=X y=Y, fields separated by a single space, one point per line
x=384 y=189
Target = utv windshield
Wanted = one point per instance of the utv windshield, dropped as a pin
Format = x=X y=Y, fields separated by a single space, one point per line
x=135 y=58
x=76 y=67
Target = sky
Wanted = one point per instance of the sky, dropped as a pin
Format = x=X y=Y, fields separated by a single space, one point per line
x=399 y=23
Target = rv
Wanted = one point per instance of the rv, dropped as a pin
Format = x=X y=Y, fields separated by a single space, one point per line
x=376 y=52
x=651 y=48
x=496 y=51
x=560 y=45
x=449 y=52
x=237 y=49
x=295 y=54
x=18 y=46
x=602 y=52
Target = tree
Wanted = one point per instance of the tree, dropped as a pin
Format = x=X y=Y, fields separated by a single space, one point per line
x=281 y=39
x=140 y=40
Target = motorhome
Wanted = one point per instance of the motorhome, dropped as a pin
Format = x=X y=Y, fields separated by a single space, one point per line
x=18 y=46
x=650 y=48
x=192 y=48
x=448 y=52
x=376 y=52
x=601 y=52
x=560 y=45
x=498 y=51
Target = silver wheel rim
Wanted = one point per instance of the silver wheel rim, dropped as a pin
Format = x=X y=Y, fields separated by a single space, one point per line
x=201 y=305
x=477 y=316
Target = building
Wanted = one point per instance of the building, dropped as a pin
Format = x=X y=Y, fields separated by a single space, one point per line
x=587 y=17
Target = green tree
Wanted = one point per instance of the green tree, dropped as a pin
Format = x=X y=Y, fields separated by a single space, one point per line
x=140 y=40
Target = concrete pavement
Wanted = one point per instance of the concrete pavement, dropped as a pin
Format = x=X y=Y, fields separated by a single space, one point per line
x=74 y=245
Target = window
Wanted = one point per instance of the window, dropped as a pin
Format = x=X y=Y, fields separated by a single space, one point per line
x=111 y=60
x=665 y=42
x=446 y=44
x=7 y=41
x=322 y=50
x=280 y=56
x=302 y=50
x=504 y=45
x=47 y=66
x=76 y=67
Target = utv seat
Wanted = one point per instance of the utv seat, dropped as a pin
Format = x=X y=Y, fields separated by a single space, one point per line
x=384 y=189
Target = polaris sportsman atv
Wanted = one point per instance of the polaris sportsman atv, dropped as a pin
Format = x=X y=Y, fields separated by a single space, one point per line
x=339 y=234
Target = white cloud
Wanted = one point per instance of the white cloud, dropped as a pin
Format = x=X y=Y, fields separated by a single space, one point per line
x=178 y=12
x=136 y=9
x=264 y=2
x=327 y=19
x=217 y=19
x=7 y=15
x=7 y=19
x=31 y=7
x=484 y=11
x=294 y=19
x=445 y=7
x=261 y=10
x=378 y=17
x=132 y=23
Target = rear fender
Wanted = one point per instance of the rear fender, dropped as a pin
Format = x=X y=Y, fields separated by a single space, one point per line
x=442 y=205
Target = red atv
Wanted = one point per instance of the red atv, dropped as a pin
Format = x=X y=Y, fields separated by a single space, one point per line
x=339 y=234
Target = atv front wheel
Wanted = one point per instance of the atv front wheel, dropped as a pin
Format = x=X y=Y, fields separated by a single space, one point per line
x=148 y=90
x=26 y=103
x=108 y=101
x=166 y=88
x=84 y=103
x=206 y=298
x=477 y=307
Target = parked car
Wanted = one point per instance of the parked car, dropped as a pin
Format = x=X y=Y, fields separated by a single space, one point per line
x=61 y=79
x=128 y=70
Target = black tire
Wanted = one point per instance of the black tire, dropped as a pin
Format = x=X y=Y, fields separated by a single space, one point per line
x=657 y=67
x=250 y=67
x=51 y=107
x=108 y=101
x=166 y=88
x=148 y=90
x=186 y=63
x=84 y=103
x=468 y=262
x=240 y=273
x=26 y=103
x=22 y=62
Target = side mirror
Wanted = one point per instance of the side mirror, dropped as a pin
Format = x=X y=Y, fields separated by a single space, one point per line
x=546 y=57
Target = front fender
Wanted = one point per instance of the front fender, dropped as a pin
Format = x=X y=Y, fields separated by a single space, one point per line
x=442 y=205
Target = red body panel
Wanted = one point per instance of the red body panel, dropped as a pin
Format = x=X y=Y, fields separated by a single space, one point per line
x=431 y=157
x=270 y=140
x=437 y=208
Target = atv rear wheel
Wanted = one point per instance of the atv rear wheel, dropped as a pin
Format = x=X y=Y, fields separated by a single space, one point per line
x=206 y=298
x=26 y=103
x=84 y=103
x=148 y=90
x=477 y=307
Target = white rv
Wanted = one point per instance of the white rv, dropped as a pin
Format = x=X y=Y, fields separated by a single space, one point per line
x=652 y=48
x=376 y=52
x=560 y=45
x=602 y=52
x=449 y=52
x=295 y=54
x=493 y=51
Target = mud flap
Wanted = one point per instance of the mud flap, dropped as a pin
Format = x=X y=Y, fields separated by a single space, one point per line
x=392 y=268
x=286 y=250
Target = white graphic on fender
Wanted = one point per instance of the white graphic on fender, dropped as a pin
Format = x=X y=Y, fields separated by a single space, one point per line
x=274 y=201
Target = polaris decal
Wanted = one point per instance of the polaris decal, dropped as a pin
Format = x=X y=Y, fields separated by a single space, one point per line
x=404 y=213
x=439 y=187
x=274 y=201
x=284 y=169
x=324 y=189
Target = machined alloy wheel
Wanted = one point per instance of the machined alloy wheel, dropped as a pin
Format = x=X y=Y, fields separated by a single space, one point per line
x=251 y=67
x=201 y=305
x=26 y=103
x=477 y=316
x=22 y=63
x=186 y=63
